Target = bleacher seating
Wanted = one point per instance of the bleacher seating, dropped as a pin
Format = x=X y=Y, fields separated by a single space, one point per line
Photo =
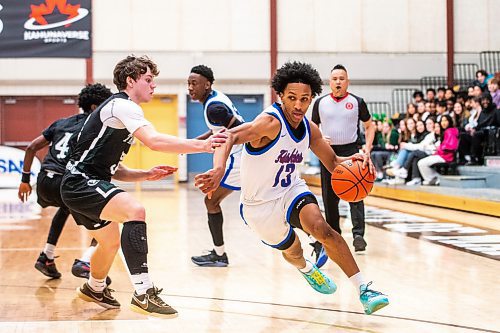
x=432 y=82
x=464 y=74
x=400 y=98
x=382 y=109
x=490 y=61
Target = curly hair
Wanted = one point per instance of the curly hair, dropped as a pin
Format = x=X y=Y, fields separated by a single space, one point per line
x=204 y=71
x=134 y=67
x=93 y=94
x=297 y=72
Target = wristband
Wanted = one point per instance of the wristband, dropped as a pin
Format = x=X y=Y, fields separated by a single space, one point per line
x=25 y=178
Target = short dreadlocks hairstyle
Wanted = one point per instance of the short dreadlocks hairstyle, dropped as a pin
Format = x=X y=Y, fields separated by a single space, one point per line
x=134 y=67
x=204 y=71
x=297 y=72
x=92 y=94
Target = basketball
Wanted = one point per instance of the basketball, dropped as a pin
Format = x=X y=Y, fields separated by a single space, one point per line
x=351 y=182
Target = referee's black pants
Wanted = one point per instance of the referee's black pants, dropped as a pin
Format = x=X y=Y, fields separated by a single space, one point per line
x=331 y=200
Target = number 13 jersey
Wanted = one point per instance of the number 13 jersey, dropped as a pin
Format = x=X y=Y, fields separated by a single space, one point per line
x=270 y=171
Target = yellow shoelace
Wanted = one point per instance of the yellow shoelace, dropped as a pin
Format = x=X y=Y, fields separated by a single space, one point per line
x=318 y=277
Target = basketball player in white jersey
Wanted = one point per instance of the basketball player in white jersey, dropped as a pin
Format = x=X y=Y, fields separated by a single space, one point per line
x=219 y=113
x=274 y=199
x=99 y=205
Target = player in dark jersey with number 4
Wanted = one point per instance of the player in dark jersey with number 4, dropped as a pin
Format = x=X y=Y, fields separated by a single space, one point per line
x=58 y=136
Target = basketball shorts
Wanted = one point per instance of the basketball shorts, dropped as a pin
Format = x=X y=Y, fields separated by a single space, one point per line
x=231 y=179
x=48 y=189
x=86 y=198
x=271 y=220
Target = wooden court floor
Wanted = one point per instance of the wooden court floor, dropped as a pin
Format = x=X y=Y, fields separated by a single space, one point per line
x=432 y=288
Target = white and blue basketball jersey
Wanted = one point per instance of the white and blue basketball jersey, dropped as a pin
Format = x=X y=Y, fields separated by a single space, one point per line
x=231 y=179
x=268 y=172
x=216 y=97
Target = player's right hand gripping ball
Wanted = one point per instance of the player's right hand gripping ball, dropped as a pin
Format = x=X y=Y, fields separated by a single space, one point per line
x=350 y=182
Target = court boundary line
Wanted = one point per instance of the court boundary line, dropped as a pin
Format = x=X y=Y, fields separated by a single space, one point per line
x=432 y=322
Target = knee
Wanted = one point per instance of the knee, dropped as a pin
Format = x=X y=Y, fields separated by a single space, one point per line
x=136 y=212
x=323 y=232
x=213 y=205
x=294 y=252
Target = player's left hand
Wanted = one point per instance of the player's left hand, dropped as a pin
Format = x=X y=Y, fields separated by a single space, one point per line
x=24 y=192
x=216 y=140
x=160 y=171
x=366 y=161
x=208 y=182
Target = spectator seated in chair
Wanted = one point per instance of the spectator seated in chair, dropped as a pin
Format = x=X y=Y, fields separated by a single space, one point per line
x=385 y=145
x=445 y=153
x=423 y=130
x=411 y=153
x=487 y=120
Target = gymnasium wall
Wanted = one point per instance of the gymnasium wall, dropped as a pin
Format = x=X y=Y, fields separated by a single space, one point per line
x=380 y=41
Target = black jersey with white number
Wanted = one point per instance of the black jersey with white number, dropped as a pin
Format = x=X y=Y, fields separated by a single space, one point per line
x=106 y=138
x=59 y=135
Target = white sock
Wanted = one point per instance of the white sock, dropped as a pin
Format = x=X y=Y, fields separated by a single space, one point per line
x=88 y=253
x=219 y=250
x=141 y=283
x=96 y=284
x=308 y=267
x=49 y=250
x=357 y=281
x=313 y=240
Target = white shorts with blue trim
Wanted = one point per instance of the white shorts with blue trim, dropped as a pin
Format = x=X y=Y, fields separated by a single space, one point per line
x=231 y=179
x=270 y=220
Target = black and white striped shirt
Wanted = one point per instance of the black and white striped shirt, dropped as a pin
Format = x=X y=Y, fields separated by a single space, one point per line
x=338 y=118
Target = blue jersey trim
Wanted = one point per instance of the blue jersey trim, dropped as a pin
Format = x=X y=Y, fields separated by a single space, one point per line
x=287 y=238
x=269 y=146
x=231 y=159
x=278 y=107
x=212 y=94
x=241 y=214
x=308 y=128
x=290 y=208
x=228 y=171
x=230 y=187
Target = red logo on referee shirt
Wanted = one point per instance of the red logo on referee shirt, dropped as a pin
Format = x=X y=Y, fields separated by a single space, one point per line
x=349 y=106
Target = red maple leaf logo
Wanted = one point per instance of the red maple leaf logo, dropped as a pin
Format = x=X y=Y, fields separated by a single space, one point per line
x=37 y=12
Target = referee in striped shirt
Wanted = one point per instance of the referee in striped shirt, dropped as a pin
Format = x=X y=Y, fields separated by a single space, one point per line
x=338 y=115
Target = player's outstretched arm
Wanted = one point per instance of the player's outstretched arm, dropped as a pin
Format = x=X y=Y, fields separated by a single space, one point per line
x=25 y=187
x=327 y=156
x=172 y=144
x=123 y=173
x=204 y=136
x=322 y=149
x=259 y=132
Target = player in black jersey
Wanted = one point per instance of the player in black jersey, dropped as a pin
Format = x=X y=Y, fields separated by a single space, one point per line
x=102 y=144
x=58 y=136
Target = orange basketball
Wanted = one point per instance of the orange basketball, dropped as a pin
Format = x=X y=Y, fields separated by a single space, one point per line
x=350 y=182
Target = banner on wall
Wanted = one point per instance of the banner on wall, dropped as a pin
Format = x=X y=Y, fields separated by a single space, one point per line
x=11 y=167
x=45 y=28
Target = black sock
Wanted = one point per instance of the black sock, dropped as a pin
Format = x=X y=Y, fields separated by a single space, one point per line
x=57 y=225
x=215 y=224
x=135 y=246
